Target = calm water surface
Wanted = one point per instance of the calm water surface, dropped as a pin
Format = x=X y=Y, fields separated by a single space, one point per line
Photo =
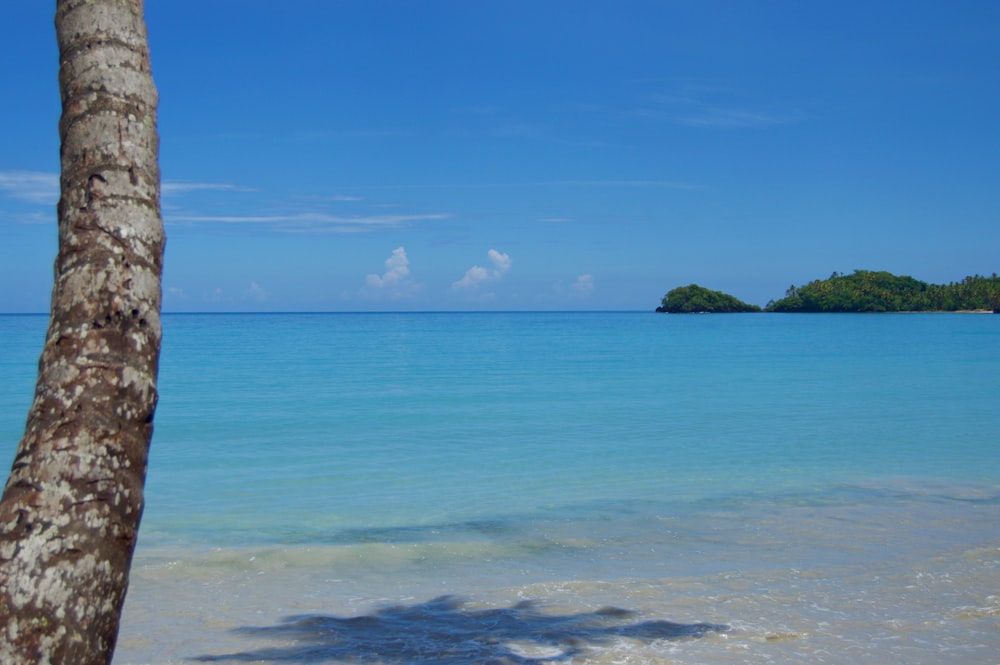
x=470 y=488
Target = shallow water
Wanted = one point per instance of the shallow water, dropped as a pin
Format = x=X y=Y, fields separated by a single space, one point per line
x=905 y=573
x=471 y=488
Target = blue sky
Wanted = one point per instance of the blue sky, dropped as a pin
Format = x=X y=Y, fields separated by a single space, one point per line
x=351 y=155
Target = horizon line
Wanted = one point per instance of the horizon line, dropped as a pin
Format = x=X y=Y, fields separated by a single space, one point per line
x=377 y=311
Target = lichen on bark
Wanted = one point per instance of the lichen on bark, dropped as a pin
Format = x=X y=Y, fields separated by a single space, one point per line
x=70 y=511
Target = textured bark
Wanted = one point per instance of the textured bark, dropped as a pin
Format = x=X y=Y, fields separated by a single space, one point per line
x=70 y=511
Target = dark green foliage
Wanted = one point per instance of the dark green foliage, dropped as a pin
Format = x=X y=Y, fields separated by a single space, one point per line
x=696 y=299
x=868 y=291
x=861 y=291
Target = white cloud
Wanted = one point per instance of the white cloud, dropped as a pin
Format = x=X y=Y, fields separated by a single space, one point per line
x=473 y=277
x=501 y=263
x=584 y=286
x=397 y=269
x=396 y=281
x=35 y=187
x=255 y=292
x=477 y=275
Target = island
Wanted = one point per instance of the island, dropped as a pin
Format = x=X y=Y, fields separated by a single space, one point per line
x=860 y=291
x=694 y=299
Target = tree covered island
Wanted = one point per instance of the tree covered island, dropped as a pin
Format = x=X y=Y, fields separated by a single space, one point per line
x=861 y=291
x=694 y=299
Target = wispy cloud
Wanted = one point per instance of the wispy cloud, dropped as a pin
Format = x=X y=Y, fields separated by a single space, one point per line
x=313 y=221
x=182 y=187
x=712 y=116
x=326 y=198
x=479 y=110
x=42 y=188
x=296 y=214
x=396 y=282
x=711 y=105
x=312 y=136
x=477 y=275
x=670 y=184
x=36 y=187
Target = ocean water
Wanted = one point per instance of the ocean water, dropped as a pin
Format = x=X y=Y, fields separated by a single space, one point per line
x=610 y=487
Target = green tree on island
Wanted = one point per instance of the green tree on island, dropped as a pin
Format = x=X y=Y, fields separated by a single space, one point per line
x=861 y=291
x=870 y=291
x=694 y=299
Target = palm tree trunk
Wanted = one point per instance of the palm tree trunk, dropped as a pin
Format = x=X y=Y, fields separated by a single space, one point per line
x=70 y=511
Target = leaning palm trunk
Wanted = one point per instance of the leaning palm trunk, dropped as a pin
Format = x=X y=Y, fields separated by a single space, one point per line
x=71 y=508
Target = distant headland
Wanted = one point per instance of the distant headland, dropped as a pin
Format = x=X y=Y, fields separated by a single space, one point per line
x=861 y=291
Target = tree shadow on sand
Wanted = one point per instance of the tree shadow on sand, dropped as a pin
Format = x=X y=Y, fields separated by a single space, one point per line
x=444 y=631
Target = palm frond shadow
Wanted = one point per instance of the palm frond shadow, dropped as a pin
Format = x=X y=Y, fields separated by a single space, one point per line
x=444 y=631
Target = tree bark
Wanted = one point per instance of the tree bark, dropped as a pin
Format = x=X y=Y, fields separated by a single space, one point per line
x=70 y=511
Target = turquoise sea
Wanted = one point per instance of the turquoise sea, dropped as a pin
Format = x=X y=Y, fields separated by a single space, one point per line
x=606 y=487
